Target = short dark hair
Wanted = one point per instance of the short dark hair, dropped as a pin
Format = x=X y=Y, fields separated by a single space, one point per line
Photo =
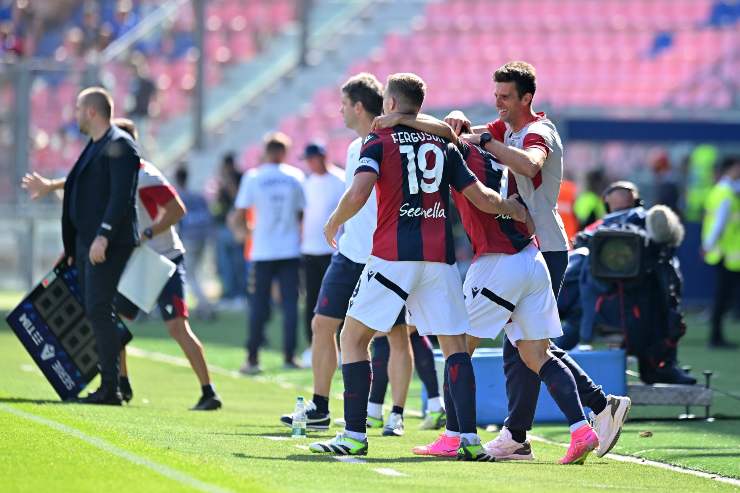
x=181 y=175
x=522 y=74
x=127 y=126
x=98 y=98
x=728 y=162
x=409 y=88
x=277 y=142
x=365 y=88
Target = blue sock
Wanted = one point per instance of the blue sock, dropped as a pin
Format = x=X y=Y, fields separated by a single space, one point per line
x=424 y=363
x=562 y=387
x=452 y=424
x=459 y=369
x=357 y=378
x=381 y=354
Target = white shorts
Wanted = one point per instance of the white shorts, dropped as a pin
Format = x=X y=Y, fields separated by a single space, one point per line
x=501 y=288
x=431 y=292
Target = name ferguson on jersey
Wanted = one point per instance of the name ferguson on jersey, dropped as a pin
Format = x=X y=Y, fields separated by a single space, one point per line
x=435 y=212
x=414 y=137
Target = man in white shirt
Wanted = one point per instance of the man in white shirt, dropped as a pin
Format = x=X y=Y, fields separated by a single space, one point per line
x=274 y=191
x=323 y=188
x=362 y=101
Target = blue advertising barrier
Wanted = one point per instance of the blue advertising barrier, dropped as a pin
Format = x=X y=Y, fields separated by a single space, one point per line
x=50 y=323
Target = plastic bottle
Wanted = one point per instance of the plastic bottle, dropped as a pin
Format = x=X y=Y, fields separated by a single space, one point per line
x=299 y=419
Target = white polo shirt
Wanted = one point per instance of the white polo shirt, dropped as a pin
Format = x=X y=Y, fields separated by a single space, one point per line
x=357 y=241
x=275 y=192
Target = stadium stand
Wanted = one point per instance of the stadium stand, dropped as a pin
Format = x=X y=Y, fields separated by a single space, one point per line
x=605 y=54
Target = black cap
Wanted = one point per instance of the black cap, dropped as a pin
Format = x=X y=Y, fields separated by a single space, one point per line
x=314 y=149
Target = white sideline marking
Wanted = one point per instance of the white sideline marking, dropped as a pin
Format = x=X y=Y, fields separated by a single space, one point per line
x=387 y=471
x=277 y=439
x=652 y=463
x=348 y=459
x=302 y=447
x=101 y=444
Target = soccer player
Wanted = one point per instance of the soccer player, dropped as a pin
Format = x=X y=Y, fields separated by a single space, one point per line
x=362 y=101
x=412 y=262
x=159 y=209
x=529 y=145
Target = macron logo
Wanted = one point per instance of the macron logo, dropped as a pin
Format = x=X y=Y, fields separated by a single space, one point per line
x=48 y=352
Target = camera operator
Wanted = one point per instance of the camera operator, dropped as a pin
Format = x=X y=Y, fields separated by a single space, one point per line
x=645 y=307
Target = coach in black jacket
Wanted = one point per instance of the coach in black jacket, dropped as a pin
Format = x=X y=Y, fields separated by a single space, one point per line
x=99 y=227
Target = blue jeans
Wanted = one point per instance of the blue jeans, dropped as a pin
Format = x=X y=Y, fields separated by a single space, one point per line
x=230 y=264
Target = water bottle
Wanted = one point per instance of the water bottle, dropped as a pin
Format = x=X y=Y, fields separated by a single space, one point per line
x=299 y=419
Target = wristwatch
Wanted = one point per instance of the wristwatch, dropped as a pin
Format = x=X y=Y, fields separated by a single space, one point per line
x=485 y=138
x=148 y=233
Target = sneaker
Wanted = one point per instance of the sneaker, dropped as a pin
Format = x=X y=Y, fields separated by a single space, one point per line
x=340 y=445
x=210 y=403
x=582 y=442
x=102 y=396
x=503 y=447
x=314 y=419
x=292 y=365
x=394 y=427
x=473 y=452
x=434 y=420
x=608 y=423
x=127 y=393
x=443 y=446
x=373 y=422
x=250 y=369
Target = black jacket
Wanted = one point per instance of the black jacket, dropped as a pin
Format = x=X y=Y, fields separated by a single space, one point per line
x=100 y=194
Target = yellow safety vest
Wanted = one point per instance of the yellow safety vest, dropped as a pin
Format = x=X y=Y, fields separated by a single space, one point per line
x=727 y=248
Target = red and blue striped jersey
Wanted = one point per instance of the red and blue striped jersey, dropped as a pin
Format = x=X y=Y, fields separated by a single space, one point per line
x=415 y=171
x=490 y=233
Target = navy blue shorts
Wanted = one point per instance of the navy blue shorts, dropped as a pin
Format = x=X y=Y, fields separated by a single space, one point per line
x=337 y=287
x=171 y=300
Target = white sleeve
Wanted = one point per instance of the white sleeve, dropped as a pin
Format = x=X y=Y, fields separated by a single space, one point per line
x=245 y=196
x=300 y=197
x=723 y=215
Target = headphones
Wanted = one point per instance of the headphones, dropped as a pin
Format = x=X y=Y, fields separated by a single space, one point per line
x=623 y=185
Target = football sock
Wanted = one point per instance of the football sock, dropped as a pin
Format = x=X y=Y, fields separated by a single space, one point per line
x=356 y=389
x=375 y=410
x=562 y=387
x=208 y=390
x=322 y=403
x=381 y=353
x=471 y=438
x=397 y=410
x=452 y=425
x=575 y=426
x=462 y=388
x=424 y=363
x=519 y=436
x=434 y=405
x=357 y=436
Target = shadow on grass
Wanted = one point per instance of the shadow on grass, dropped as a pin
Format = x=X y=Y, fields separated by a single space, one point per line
x=23 y=400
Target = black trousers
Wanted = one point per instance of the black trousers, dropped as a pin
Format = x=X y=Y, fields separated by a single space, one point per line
x=262 y=273
x=99 y=285
x=522 y=384
x=314 y=268
x=727 y=284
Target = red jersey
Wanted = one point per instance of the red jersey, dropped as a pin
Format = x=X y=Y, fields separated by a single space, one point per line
x=487 y=232
x=415 y=171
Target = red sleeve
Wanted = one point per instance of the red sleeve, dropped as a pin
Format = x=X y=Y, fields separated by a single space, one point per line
x=156 y=196
x=537 y=141
x=497 y=129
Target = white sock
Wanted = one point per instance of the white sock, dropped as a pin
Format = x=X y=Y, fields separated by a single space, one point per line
x=472 y=438
x=574 y=427
x=434 y=405
x=375 y=410
x=355 y=435
x=449 y=433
